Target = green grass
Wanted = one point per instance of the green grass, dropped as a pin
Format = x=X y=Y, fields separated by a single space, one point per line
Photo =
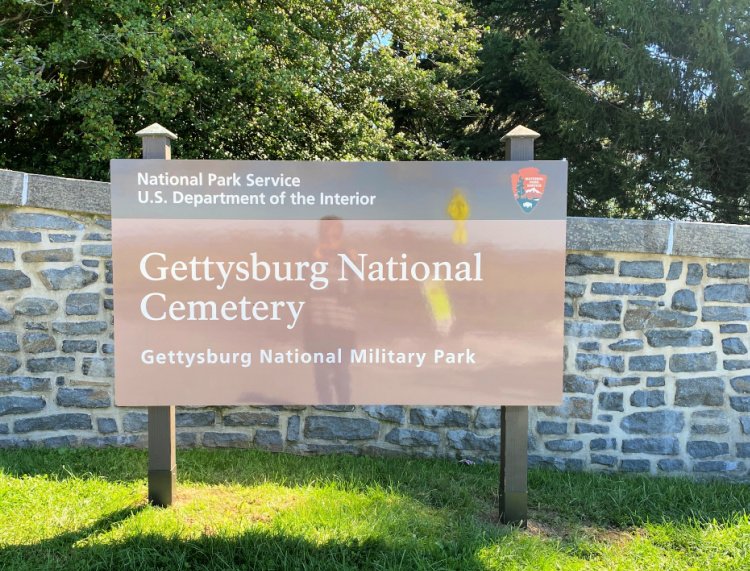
x=85 y=509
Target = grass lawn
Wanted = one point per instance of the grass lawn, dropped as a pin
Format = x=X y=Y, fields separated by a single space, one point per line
x=85 y=509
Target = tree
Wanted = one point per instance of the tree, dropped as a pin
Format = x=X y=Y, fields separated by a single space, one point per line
x=649 y=100
x=236 y=79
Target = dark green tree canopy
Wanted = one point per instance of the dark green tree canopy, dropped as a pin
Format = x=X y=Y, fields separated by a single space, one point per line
x=311 y=79
x=648 y=99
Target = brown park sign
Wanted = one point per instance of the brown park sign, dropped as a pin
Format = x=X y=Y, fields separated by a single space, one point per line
x=279 y=282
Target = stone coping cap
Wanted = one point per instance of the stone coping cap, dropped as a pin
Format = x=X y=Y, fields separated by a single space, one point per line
x=699 y=239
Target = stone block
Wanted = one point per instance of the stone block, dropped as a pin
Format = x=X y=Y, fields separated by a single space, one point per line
x=692 y=362
x=627 y=345
x=675 y=271
x=571 y=407
x=465 y=440
x=64 y=421
x=292 y=428
x=564 y=445
x=647 y=363
x=655 y=381
x=604 y=460
x=74 y=346
x=135 y=422
x=736 y=364
x=664 y=446
x=412 y=437
x=709 y=422
x=97 y=366
x=433 y=416
x=83 y=398
x=82 y=304
x=573 y=289
x=106 y=425
x=487 y=417
x=578 y=384
x=706 y=448
x=550 y=427
x=53 y=255
x=8 y=342
x=705 y=391
x=649 y=399
x=389 y=413
x=35 y=306
x=694 y=274
x=340 y=428
x=589 y=361
x=43 y=221
x=733 y=346
x=20 y=236
x=268 y=440
x=74 y=277
x=741 y=384
x=79 y=327
x=587 y=428
x=653 y=422
x=251 y=419
x=636 y=466
x=601 y=310
x=620 y=381
x=611 y=401
x=727 y=293
x=21 y=405
x=8 y=364
x=671 y=465
x=597 y=330
x=603 y=444
x=728 y=271
x=733 y=328
x=26 y=384
x=51 y=365
x=97 y=250
x=226 y=440
x=639 y=318
x=642 y=269
x=720 y=466
x=628 y=289
x=684 y=300
x=581 y=265
x=185 y=419
x=13 y=279
x=725 y=313
x=679 y=338
x=335 y=407
x=589 y=346
x=38 y=343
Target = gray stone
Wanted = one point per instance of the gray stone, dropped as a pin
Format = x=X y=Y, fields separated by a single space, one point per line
x=135 y=422
x=186 y=439
x=639 y=318
x=635 y=466
x=711 y=240
x=614 y=235
x=487 y=417
x=74 y=277
x=706 y=448
x=564 y=445
x=64 y=421
x=694 y=274
x=740 y=404
x=185 y=419
x=79 y=327
x=709 y=422
x=465 y=440
x=389 y=413
x=643 y=290
x=8 y=364
x=251 y=419
x=578 y=384
x=581 y=265
x=20 y=236
x=732 y=328
x=11 y=384
x=604 y=460
x=550 y=427
x=98 y=237
x=292 y=428
x=117 y=440
x=34 y=306
x=642 y=269
x=586 y=428
x=5 y=315
x=573 y=289
x=107 y=348
x=104 y=223
x=589 y=346
x=340 y=428
x=568 y=310
x=706 y=391
x=653 y=422
x=611 y=401
x=82 y=304
x=90 y=263
x=106 y=425
x=648 y=363
x=268 y=440
x=83 y=398
x=743 y=450
x=4 y=428
x=736 y=364
x=684 y=300
x=728 y=293
x=438 y=417
x=603 y=444
x=13 y=279
x=412 y=437
x=571 y=407
x=98 y=366
x=599 y=330
x=647 y=398
x=97 y=250
x=226 y=440
x=21 y=405
x=60 y=238
x=741 y=384
x=665 y=446
x=620 y=381
x=54 y=255
x=733 y=346
x=44 y=221
x=335 y=407
x=728 y=271
x=38 y=343
x=718 y=466
x=725 y=313
x=692 y=362
x=671 y=465
x=51 y=364
x=8 y=342
x=745 y=424
x=655 y=381
x=675 y=270
x=73 y=346
x=7 y=255
x=627 y=345
x=589 y=361
x=679 y=338
x=601 y=310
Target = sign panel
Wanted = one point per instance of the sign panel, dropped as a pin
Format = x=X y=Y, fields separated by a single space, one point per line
x=278 y=282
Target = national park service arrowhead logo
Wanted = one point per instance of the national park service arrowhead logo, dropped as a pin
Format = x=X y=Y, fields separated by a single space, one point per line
x=528 y=187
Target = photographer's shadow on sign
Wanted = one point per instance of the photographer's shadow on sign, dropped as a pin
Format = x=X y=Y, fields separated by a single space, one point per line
x=330 y=323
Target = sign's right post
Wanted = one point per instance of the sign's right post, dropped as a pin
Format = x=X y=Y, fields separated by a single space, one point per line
x=514 y=420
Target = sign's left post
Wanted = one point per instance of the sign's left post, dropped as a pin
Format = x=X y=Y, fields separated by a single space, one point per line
x=162 y=458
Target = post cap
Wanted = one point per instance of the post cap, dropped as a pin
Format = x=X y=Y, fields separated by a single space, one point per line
x=519 y=132
x=156 y=130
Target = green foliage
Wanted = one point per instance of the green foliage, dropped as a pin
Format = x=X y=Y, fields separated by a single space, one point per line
x=235 y=79
x=648 y=100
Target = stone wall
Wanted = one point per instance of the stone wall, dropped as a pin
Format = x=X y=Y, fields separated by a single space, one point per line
x=657 y=371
